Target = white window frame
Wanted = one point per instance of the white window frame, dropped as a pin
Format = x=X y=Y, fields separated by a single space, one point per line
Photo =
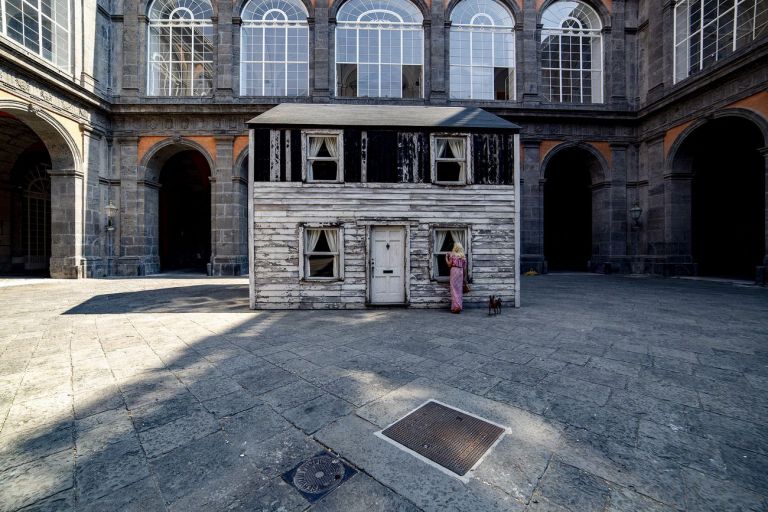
x=467 y=158
x=246 y=58
x=591 y=35
x=382 y=25
x=304 y=254
x=475 y=28
x=199 y=27
x=682 y=34
x=339 y=159
x=61 y=58
x=436 y=253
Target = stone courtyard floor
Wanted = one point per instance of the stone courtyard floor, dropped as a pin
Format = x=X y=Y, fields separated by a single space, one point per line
x=167 y=393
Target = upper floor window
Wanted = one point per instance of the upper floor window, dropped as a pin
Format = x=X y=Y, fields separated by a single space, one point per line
x=323 y=160
x=274 y=49
x=41 y=26
x=180 y=48
x=482 y=51
x=571 y=53
x=379 y=49
x=709 y=30
x=450 y=162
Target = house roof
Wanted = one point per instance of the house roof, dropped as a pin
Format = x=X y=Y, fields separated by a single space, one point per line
x=316 y=115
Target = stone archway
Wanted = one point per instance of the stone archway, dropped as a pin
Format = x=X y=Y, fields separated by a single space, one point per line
x=719 y=172
x=40 y=224
x=177 y=202
x=573 y=217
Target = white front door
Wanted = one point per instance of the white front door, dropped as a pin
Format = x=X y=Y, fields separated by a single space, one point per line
x=388 y=265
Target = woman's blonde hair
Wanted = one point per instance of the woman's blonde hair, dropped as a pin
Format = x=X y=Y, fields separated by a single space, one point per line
x=458 y=250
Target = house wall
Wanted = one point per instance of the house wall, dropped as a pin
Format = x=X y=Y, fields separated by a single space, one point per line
x=280 y=209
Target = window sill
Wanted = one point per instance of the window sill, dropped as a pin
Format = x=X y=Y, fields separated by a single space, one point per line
x=321 y=280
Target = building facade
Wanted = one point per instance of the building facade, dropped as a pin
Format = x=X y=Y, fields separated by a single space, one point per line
x=644 y=125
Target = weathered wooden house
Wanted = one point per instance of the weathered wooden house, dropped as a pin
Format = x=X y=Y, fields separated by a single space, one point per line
x=356 y=205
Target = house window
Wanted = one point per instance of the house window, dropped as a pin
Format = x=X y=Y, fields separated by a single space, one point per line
x=180 y=48
x=321 y=253
x=274 y=49
x=450 y=163
x=443 y=240
x=571 y=53
x=323 y=163
x=379 y=49
x=482 y=51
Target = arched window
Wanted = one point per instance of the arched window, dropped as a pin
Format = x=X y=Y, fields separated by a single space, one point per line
x=571 y=53
x=482 y=51
x=274 y=49
x=709 y=30
x=41 y=26
x=379 y=49
x=180 y=48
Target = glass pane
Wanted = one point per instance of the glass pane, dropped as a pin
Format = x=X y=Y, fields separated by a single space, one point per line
x=346 y=45
x=251 y=79
x=369 y=46
x=413 y=47
x=391 y=81
x=482 y=49
x=323 y=170
x=252 y=44
x=298 y=45
x=503 y=50
x=321 y=266
x=390 y=47
x=274 y=44
x=460 y=82
x=274 y=79
x=298 y=80
x=460 y=47
x=482 y=83
x=368 y=80
x=449 y=171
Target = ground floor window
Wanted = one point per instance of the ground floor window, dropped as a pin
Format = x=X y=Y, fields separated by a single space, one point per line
x=322 y=253
x=442 y=243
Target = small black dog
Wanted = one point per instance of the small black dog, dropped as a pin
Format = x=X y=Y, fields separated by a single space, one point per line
x=494 y=305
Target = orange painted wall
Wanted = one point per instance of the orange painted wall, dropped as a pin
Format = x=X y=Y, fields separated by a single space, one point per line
x=757 y=103
x=672 y=135
x=547 y=146
x=605 y=149
x=241 y=143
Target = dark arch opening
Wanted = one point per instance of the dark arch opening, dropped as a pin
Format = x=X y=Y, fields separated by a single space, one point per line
x=185 y=213
x=25 y=200
x=727 y=197
x=568 y=210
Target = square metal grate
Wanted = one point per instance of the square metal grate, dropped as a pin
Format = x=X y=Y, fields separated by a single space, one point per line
x=448 y=437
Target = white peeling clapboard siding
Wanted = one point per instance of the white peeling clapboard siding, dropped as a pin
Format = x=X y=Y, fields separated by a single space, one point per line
x=280 y=208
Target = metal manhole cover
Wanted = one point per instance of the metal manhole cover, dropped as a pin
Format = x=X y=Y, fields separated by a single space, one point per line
x=319 y=474
x=316 y=477
x=453 y=439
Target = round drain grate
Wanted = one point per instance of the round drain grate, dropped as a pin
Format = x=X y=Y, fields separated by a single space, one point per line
x=318 y=475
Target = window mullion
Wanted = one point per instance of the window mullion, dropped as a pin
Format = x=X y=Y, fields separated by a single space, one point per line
x=701 y=36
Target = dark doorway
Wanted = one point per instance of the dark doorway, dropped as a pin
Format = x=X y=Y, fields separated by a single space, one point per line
x=25 y=200
x=568 y=211
x=185 y=213
x=727 y=198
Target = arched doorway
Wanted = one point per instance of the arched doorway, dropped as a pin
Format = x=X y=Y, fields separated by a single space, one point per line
x=568 y=210
x=25 y=200
x=727 y=196
x=185 y=212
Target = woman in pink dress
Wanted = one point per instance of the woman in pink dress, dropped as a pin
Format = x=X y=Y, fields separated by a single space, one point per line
x=457 y=261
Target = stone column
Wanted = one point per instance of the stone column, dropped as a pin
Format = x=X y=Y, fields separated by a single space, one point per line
x=528 y=62
x=322 y=62
x=617 y=243
x=130 y=48
x=531 y=208
x=224 y=51
x=66 y=223
x=762 y=273
x=617 y=94
x=130 y=230
x=226 y=256
x=94 y=234
x=439 y=43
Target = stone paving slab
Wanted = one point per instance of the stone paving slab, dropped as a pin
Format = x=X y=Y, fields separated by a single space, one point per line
x=167 y=393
